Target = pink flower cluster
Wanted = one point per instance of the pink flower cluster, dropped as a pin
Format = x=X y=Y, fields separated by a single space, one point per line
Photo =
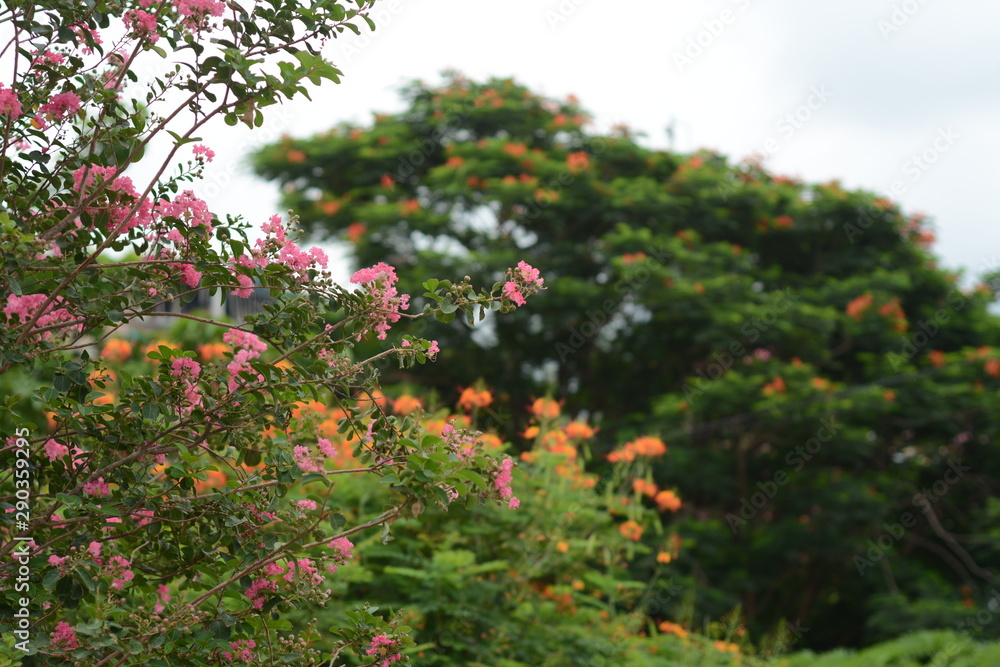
x=306 y=571
x=142 y=24
x=502 y=483
x=277 y=242
x=117 y=206
x=120 y=572
x=201 y=149
x=247 y=346
x=57 y=108
x=25 y=307
x=163 y=595
x=342 y=548
x=198 y=11
x=256 y=591
x=188 y=370
x=309 y=461
x=64 y=637
x=244 y=650
x=379 y=281
x=187 y=208
x=97 y=488
x=525 y=281
x=382 y=648
x=10 y=104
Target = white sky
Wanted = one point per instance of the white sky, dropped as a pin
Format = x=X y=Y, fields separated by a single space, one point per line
x=891 y=89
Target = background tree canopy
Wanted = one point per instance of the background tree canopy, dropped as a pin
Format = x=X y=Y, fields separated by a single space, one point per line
x=827 y=392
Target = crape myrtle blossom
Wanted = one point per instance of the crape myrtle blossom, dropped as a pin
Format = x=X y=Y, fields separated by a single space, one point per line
x=523 y=281
x=378 y=281
x=24 y=308
x=276 y=242
x=246 y=346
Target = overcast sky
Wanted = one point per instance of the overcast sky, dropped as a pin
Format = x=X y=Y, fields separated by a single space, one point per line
x=882 y=94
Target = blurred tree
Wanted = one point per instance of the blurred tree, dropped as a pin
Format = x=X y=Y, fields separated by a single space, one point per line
x=811 y=367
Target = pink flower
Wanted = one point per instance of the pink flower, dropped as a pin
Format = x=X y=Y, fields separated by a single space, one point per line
x=64 y=637
x=514 y=503
x=379 y=281
x=326 y=447
x=201 y=149
x=119 y=571
x=529 y=274
x=274 y=569
x=142 y=24
x=343 y=547
x=10 y=104
x=56 y=561
x=511 y=291
x=256 y=592
x=57 y=108
x=97 y=488
x=55 y=451
x=25 y=307
x=246 y=346
x=246 y=286
x=433 y=349
x=94 y=549
x=304 y=459
x=243 y=650
x=307 y=504
x=381 y=647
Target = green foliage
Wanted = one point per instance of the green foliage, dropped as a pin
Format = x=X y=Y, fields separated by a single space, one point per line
x=826 y=390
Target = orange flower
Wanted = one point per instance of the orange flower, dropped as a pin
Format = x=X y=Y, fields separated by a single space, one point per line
x=545 y=408
x=515 y=150
x=295 y=155
x=992 y=367
x=777 y=385
x=387 y=181
x=936 y=358
x=579 y=431
x=820 y=383
x=409 y=206
x=784 y=221
x=455 y=162
x=491 y=441
x=549 y=196
x=210 y=351
x=859 y=305
x=889 y=395
x=667 y=501
x=473 y=181
x=117 y=350
x=669 y=628
x=406 y=404
x=664 y=557
x=562 y=547
x=645 y=488
x=578 y=161
x=577 y=585
x=214 y=479
x=355 y=231
x=531 y=432
x=649 y=446
x=727 y=647
x=330 y=207
x=472 y=398
x=631 y=530
x=304 y=410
